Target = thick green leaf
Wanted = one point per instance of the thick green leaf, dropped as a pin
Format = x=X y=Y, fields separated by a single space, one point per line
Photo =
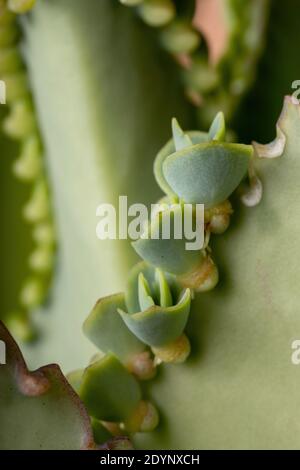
x=196 y=137
x=39 y=410
x=107 y=331
x=207 y=173
x=158 y=326
x=170 y=254
x=109 y=391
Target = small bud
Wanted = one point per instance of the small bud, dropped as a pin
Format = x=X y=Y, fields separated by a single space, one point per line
x=157 y=13
x=21 y=6
x=201 y=76
x=28 y=166
x=41 y=260
x=43 y=233
x=145 y=418
x=219 y=223
x=142 y=366
x=32 y=293
x=175 y=352
x=16 y=86
x=38 y=206
x=218 y=217
x=180 y=38
x=21 y=121
x=202 y=279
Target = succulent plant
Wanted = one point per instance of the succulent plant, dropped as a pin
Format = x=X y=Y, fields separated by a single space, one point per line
x=197 y=337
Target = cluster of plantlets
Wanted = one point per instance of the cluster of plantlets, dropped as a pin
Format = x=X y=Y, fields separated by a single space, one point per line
x=161 y=290
x=21 y=125
x=210 y=87
x=182 y=40
x=138 y=330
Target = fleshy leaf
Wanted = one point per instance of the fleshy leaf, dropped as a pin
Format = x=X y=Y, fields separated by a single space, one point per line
x=107 y=331
x=158 y=326
x=39 y=410
x=196 y=137
x=109 y=391
x=171 y=254
x=150 y=273
x=160 y=323
x=207 y=173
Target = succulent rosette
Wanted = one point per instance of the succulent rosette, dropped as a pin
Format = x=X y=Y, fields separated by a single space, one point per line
x=153 y=311
x=157 y=306
x=199 y=167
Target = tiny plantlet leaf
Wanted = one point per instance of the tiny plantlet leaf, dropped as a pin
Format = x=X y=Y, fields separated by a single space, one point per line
x=157 y=326
x=207 y=173
x=109 y=391
x=217 y=129
x=181 y=140
x=163 y=322
x=107 y=331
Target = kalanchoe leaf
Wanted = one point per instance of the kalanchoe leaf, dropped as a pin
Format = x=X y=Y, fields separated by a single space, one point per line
x=207 y=173
x=109 y=391
x=157 y=326
x=169 y=254
x=107 y=331
x=39 y=410
x=169 y=148
x=160 y=323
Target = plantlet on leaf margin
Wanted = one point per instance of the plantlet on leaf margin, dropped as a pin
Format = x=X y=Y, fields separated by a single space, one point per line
x=153 y=312
x=199 y=168
x=155 y=308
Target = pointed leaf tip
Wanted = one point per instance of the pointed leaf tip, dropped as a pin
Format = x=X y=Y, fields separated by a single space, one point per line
x=181 y=140
x=217 y=129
